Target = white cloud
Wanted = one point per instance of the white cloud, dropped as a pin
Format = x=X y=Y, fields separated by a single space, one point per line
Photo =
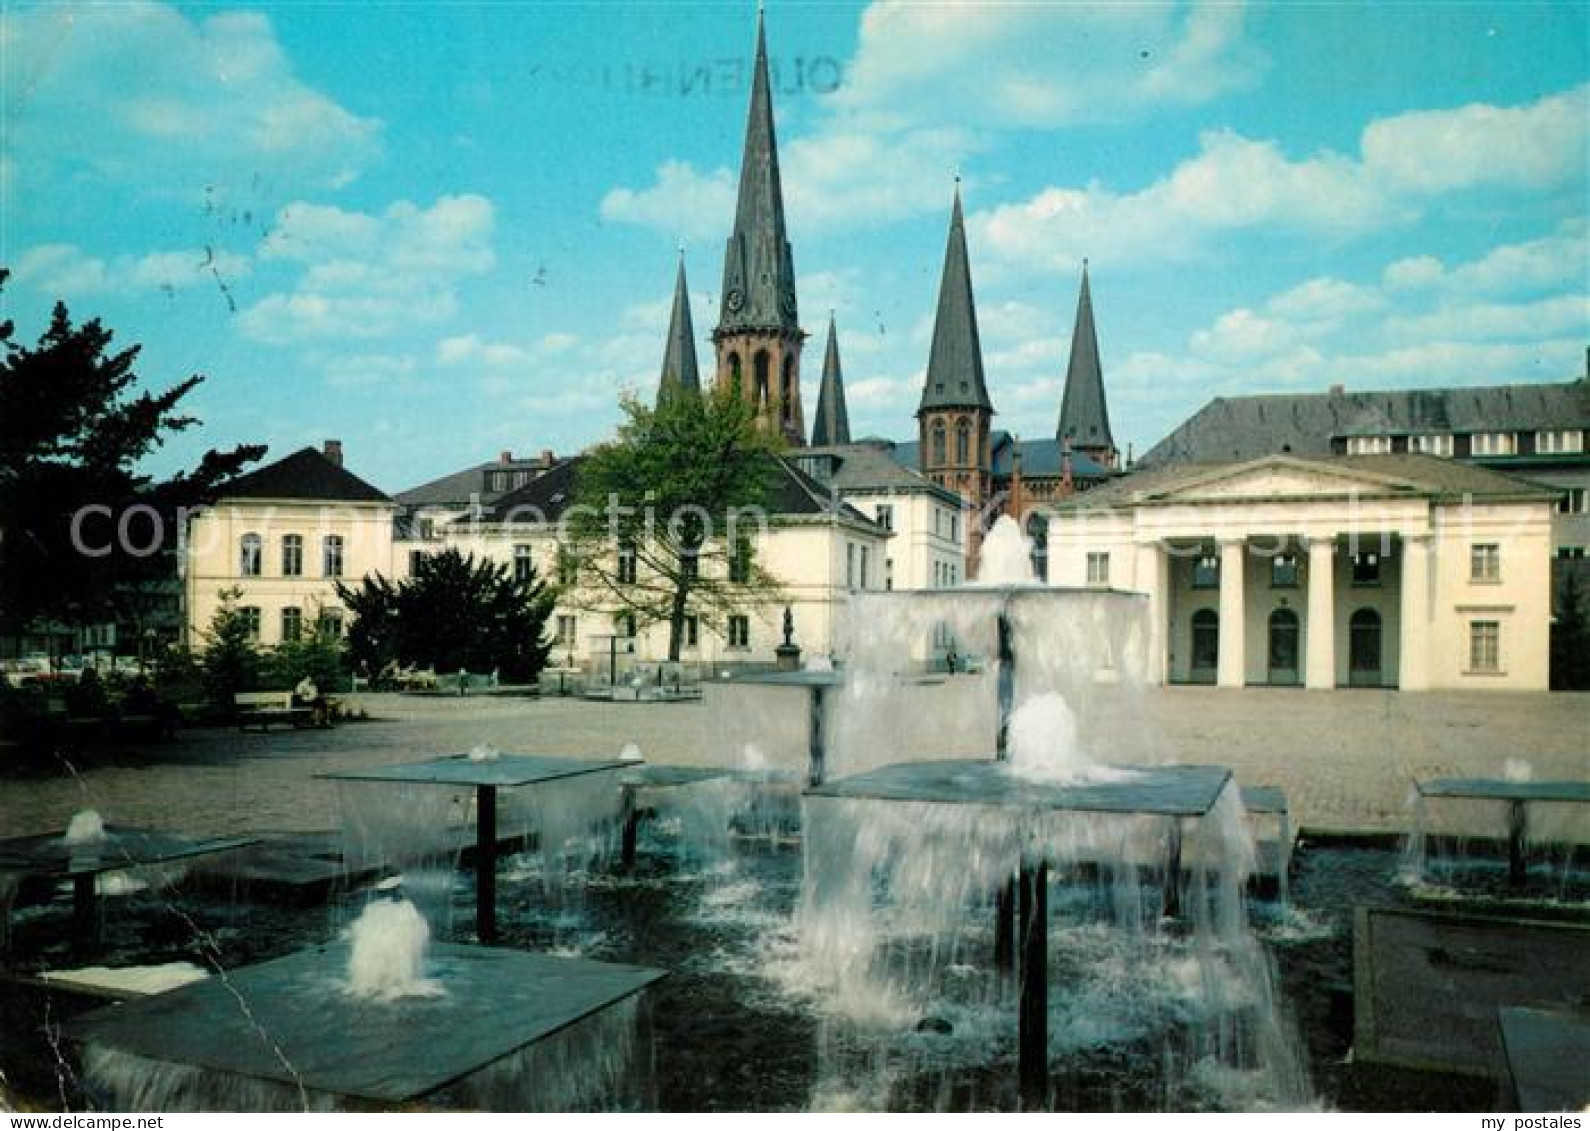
x=681 y=202
x=371 y=276
x=143 y=94
x=67 y=271
x=1235 y=183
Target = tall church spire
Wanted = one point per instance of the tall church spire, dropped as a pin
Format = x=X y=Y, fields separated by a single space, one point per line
x=758 y=268
x=679 y=370
x=1084 y=418
x=758 y=337
x=955 y=362
x=832 y=425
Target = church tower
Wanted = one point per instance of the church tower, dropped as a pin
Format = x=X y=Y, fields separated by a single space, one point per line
x=758 y=337
x=955 y=414
x=832 y=424
x=1084 y=417
x=679 y=369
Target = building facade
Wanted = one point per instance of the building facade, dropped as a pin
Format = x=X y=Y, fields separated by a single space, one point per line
x=1393 y=571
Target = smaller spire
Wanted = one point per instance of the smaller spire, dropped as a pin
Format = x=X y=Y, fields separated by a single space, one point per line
x=832 y=425
x=679 y=369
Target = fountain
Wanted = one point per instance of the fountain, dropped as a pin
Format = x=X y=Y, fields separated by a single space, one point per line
x=909 y=862
x=381 y=1018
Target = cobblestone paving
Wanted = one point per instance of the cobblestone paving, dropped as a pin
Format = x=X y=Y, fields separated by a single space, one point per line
x=1346 y=759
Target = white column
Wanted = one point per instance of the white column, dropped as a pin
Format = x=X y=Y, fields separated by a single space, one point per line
x=1153 y=578
x=1320 y=631
x=1414 y=616
x=1233 y=668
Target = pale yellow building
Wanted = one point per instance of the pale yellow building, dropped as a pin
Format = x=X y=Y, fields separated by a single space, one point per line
x=1428 y=573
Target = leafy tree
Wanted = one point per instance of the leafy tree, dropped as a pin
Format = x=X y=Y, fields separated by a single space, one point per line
x=454 y=614
x=230 y=661
x=1570 y=636
x=72 y=433
x=653 y=527
x=318 y=656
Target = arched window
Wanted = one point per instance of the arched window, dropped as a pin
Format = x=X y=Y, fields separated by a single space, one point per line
x=251 y=552
x=1363 y=648
x=963 y=442
x=786 y=390
x=735 y=372
x=760 y=365
x=938 y=443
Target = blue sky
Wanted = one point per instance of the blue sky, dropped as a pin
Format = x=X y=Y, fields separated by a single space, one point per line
x=437 y=232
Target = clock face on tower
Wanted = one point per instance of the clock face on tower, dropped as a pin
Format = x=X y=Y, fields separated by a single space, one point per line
x=734 y=300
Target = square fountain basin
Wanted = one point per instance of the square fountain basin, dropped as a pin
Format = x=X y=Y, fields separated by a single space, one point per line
x=508 y=771
x=1169 y=791
x=497 y=1002
x=642 y=776
x=48 y=854
x=1499 y=789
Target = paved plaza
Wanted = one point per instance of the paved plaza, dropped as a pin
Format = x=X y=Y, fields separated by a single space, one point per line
x=1347 y=760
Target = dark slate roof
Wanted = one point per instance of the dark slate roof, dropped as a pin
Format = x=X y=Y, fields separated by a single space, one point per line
x=955 y=362
x=1237 y=428
x=306 y=474
x=758 y=267
x=679 y=369
x=866 y=466
x=832 y=425
x=544 y=498
x=472 y=483
x=792 y=493
x=1431 y=475
x=1084 y=417
x=1038 y=458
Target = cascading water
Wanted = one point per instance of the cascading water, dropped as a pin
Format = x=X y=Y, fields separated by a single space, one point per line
x=897 y=915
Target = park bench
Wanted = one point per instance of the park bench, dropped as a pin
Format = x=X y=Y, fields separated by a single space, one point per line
x=262 y=708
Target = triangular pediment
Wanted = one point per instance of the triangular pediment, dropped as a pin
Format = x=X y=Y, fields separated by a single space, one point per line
x=1280 y=478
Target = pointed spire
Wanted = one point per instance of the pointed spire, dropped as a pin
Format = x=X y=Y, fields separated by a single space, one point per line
x=1084 y=418
x=832 y=425
x=758 y=267
x=955 y=362
x=679 y=370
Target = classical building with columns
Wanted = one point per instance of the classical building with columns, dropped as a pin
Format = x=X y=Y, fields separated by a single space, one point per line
x=1391 y=571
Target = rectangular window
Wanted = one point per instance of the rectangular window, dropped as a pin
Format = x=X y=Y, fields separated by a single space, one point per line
x=292 y=555
x=568 y=628
x=739 y=631
x=886 y=516
x=1485 y=646
x=331 y=624
x=692 y=631
x=627 y=569
x=1494 y=444
x=249 y=555
x=624 y=623
x=1575 y=500
x=955 y=527
x=1434 y=445
x=416 y=560
x=888 y=573
x=866 y=568
x=1559 y=441
x=1283 y=571
x=1368 y=445
x=1206 y=572
x=568 y=567
x=850 y=565
x=1098 y=569
x=740 y=562
x=523 y=563
x=250 y=615
x=1570 y=553
x=331 y=556
x=292 y=624
x=1366 y=568
x=1485 y=562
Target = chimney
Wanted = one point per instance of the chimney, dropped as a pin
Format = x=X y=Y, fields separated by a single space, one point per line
x=1338 y=390
x=505 y=457
x=333 y=451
